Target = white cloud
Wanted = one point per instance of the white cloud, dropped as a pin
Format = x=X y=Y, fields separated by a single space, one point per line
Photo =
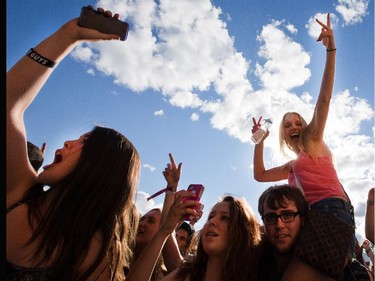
x=159 y=112
x=91 y=71
x=194 y=117
x=284 y=59
x=82 y=53
x=114 y=93
x=185 y=99
x=291 y=28
x=191 y=60
x=143 y=206
x=352 y=11
x=148 y=166
x=314 y=29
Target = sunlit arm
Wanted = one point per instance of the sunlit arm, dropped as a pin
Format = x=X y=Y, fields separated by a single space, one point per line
x=261 y=174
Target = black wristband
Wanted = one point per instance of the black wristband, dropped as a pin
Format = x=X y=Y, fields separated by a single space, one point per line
x=330 y=50
x=39 y=58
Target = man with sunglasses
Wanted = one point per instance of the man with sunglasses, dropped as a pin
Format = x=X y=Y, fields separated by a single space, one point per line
x=283 y=210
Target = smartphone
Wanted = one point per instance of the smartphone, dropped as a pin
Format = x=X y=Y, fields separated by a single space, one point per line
x=198 y=190
x=99 y=21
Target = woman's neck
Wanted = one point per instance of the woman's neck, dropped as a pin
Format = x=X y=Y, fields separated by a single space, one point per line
x=214 y=269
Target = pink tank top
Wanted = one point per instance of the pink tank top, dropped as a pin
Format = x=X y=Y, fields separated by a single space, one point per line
x=318 y=178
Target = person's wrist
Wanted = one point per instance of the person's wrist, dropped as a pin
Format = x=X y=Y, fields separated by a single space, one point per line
x=171 y=190
x=37 y=57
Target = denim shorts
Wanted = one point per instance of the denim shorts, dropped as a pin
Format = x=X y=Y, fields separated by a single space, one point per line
x=340 y=209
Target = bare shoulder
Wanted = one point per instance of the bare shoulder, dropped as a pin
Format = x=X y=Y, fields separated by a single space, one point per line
x=102 y=272
x=318 y=148
x=16 y=192
x=171 y=276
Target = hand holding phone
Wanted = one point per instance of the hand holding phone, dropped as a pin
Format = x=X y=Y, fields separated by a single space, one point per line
x=90 y=18
x=197 y=189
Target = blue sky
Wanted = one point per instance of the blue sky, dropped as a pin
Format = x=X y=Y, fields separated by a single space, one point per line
x=193 y=73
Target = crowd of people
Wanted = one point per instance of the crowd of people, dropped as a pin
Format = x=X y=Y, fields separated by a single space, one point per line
x=85 y=225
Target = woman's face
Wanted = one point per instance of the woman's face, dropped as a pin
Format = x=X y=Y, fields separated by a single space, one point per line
x=292 y=129
x=65 y=161
x=148 y=226
x=215 y=232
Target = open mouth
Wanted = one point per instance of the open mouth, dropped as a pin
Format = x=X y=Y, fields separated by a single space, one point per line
x=294 y=136
x=58 y=158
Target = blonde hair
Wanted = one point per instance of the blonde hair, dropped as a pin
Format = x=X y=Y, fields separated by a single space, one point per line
x=302 y=143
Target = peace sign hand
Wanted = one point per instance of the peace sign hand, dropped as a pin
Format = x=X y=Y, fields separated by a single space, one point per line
x=326 y=35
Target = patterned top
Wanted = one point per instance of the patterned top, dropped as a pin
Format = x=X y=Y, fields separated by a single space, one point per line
x=18 y=273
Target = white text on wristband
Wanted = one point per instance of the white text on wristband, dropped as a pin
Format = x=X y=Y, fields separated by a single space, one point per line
x=39 y=58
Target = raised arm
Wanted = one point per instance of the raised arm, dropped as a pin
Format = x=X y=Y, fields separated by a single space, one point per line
x=369 y=217
x=171 y=253
x=23 y=82
x=315 y=128
x=260 y=173
x=144 y=265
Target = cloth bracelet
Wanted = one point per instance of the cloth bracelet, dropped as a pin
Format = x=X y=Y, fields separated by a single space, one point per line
x=167 y=190
x=39 y=58
x=330 y=50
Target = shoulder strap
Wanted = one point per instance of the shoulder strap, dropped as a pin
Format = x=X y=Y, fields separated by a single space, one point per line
x=15 y=205
x=25 y=198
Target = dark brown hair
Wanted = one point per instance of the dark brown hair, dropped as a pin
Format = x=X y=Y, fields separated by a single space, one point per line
x=96 y=197
x=244 y=235
x=275 y=197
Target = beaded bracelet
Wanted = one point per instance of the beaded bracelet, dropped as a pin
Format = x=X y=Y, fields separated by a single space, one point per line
x=39 y=58
x=330 y=50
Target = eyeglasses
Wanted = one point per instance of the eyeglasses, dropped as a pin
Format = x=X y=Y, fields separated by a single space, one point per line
x=271 y=218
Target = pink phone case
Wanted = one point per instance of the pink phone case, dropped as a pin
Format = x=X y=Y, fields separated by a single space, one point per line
x=197 y=189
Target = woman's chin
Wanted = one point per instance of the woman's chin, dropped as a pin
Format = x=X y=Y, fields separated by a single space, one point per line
x=43 y=177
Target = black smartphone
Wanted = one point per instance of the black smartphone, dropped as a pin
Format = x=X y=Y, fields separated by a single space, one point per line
x=99 y=21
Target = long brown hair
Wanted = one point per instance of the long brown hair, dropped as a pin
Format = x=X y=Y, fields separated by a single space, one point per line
x=96 y=196
x=244 y=235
